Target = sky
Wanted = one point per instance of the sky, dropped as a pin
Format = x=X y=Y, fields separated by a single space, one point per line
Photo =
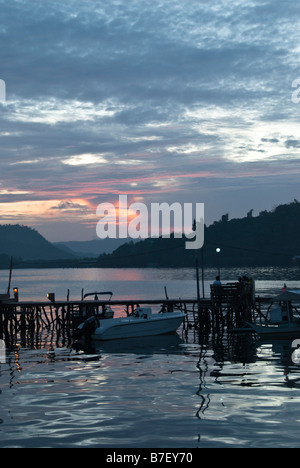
x=184 y=101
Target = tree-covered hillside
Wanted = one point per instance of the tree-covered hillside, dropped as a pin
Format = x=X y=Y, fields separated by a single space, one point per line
x=272 y=238
x=21 y=242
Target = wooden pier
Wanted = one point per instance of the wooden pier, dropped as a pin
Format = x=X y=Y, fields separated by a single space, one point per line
x=228 y=307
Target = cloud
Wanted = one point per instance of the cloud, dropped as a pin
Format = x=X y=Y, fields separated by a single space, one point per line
x=71 y=207
x=149 y=98
x=292 y=143
x=85 y=160
x=13 y=192
x=54 y=111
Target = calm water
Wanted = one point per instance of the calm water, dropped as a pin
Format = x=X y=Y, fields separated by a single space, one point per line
x=166 y=392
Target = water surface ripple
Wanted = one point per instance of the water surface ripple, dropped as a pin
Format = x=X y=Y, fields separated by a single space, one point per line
x=168 y=394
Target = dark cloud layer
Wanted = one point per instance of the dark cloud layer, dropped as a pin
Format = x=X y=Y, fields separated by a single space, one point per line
x=165 y=101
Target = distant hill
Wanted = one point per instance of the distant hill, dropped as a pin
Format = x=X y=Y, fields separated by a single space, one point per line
x=91 y=249
x=272 y=238
x=24 y=243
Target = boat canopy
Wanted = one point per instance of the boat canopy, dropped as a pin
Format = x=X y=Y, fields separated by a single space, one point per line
x=109 y=293
x=289 y=296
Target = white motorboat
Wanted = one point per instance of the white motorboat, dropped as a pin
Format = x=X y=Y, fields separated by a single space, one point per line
x=142 y=323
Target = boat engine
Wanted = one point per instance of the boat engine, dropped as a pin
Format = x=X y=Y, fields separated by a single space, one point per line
x=89 y=326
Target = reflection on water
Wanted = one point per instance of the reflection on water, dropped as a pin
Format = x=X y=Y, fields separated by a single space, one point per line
x=163 y=392
x=174 y=391
x=164 y=344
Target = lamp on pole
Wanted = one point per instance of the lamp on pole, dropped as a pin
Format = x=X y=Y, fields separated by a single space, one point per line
x=218 y=250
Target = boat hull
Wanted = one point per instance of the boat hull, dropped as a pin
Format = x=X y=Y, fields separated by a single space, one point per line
x=131 y=327
x=280 y=331
x=4 y=297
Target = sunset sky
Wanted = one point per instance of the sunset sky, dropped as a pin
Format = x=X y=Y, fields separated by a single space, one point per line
x=166 y=101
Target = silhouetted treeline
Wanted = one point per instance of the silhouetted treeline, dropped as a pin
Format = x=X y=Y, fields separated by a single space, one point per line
x=272 y=238
x=4 y=261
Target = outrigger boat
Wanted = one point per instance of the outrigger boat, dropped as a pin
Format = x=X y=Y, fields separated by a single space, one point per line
x=141 y=323
x=282 y=322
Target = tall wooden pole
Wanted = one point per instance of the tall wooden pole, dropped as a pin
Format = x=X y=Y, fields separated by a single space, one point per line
x=10 y=275
x=202 y=258
x=198 y=284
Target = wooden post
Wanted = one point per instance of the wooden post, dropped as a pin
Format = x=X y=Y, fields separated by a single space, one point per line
x=47 y=318
x=198 y=286
x=202 y=267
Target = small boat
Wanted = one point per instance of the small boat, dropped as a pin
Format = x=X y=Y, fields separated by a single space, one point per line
x=4 y=297
x=282 y=323
x=140 y=324
x=283 y=330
